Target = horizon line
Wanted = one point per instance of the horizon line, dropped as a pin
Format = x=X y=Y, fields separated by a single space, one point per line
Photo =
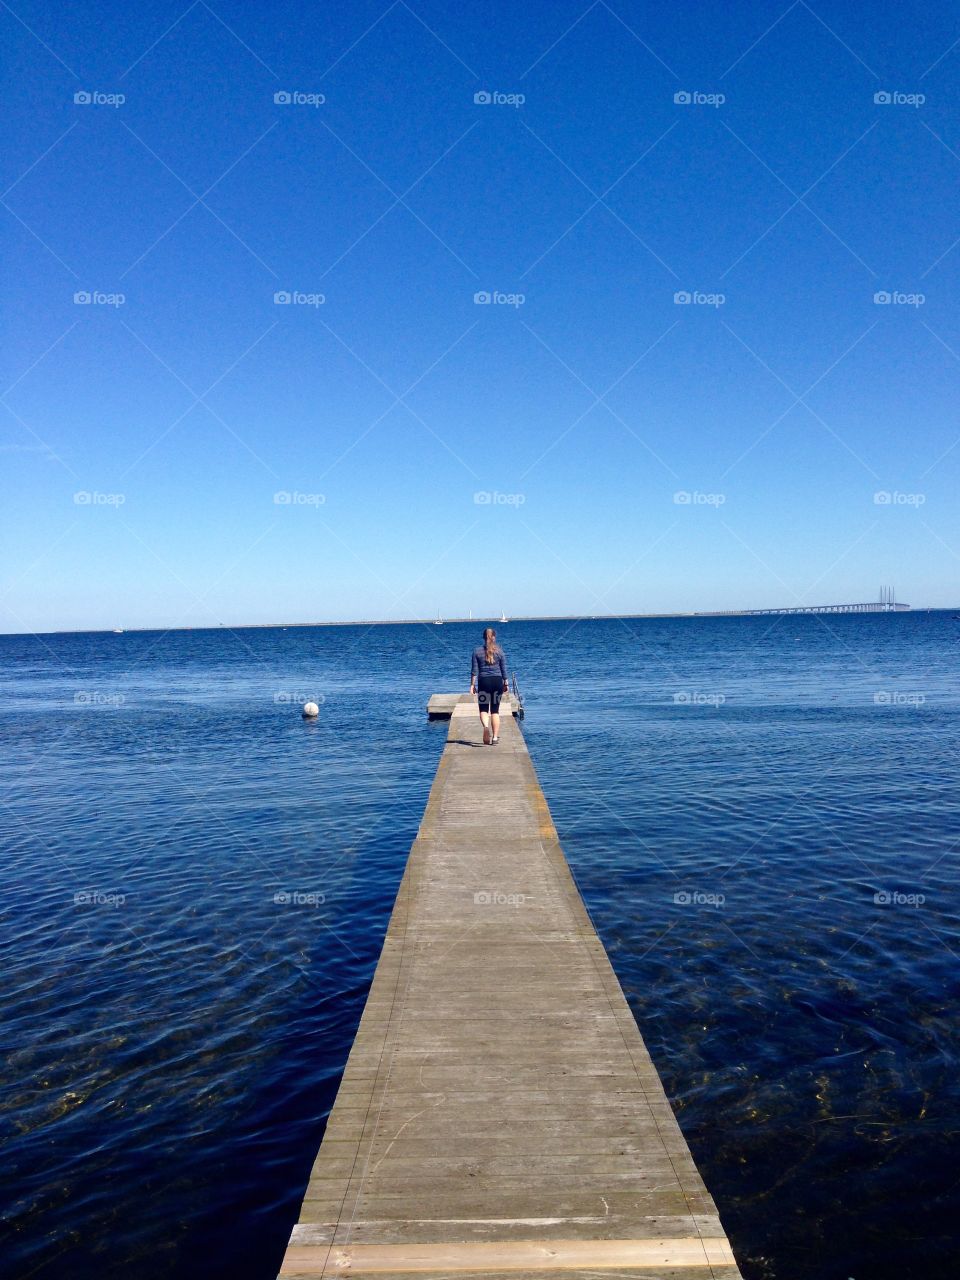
x=779 y=611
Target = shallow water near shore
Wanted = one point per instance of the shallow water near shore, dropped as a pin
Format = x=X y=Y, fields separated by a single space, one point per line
x=762 y=815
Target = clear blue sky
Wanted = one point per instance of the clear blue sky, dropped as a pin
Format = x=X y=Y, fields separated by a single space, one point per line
x=585 y=409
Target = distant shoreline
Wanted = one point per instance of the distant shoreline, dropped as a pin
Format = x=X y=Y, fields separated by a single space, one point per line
x=419 y=622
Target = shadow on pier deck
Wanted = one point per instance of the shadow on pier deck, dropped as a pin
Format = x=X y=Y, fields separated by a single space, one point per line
x=499 y=1113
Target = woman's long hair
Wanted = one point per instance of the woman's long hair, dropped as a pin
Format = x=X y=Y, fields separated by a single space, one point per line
x=489 y=644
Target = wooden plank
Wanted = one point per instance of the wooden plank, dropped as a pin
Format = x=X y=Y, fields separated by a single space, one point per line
x=391 y=1232
x=511 y=1255
x=499 y=1112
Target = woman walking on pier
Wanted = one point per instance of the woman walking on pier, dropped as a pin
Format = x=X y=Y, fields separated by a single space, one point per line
x=488 y=679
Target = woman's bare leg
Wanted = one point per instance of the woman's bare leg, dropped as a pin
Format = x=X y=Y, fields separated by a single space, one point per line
x=485 y=721
x=495 y=721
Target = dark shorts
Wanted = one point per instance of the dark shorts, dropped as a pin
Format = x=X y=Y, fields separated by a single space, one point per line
x=489 y=693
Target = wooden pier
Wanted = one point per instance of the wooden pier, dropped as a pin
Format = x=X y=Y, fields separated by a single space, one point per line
x=499 y=1114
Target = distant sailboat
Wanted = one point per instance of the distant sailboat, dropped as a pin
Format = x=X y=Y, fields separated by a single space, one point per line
x=503 y=618
x=438 y=621
x=118 y=631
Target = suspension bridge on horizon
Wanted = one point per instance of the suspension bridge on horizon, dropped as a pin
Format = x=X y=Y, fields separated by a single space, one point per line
x=887 y=603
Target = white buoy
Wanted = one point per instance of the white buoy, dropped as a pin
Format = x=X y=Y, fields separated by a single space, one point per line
x=310 y=711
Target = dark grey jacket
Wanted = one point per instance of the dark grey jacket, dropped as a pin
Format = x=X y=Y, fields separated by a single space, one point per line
x=480 y=666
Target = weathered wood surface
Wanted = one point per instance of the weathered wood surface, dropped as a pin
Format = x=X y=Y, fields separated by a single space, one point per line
x=440 y=706
x=499 y=1113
